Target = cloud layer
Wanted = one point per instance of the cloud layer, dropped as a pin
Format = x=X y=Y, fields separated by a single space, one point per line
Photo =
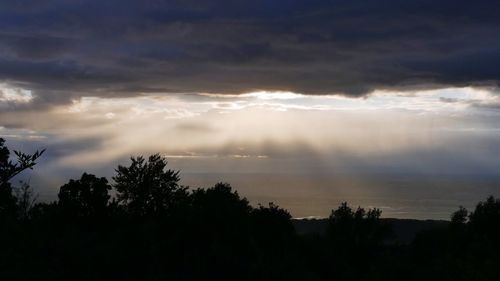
x=63 y=49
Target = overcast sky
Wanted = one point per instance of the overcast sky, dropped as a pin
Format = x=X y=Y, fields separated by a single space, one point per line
x=329 y=97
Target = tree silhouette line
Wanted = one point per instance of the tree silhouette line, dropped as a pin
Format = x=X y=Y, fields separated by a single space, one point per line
x=146 y=226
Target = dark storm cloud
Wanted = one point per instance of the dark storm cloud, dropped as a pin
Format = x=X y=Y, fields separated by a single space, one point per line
x=69 y=48
x=35 y=47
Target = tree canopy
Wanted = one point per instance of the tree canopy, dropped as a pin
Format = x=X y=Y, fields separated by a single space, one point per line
x=85 y=197
x=146 y=187
x=146 y=226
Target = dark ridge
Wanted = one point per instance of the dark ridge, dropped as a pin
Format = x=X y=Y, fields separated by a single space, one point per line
x=404 y=230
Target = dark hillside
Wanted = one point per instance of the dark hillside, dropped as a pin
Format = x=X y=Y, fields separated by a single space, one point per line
x=404 y=230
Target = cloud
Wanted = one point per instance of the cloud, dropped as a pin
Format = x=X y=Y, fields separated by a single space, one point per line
x=14 y=96
x=67 y=49
x=35 y=47
x=276 y=125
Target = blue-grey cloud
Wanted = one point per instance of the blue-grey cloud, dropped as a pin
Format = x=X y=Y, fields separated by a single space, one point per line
x=314 y=47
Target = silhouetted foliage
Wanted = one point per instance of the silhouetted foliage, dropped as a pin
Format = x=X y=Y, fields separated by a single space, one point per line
x=358 y=228
x=274 y=222
x=8 y=170
x=155 y=229
x=355 y=239
x=25 y=200
x=146 y=187
x=468 y=250
x=220 y=203
x=86 y=197
x=459 y=217
x=486 y=218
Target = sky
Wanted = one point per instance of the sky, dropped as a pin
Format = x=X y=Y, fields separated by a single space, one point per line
x=389 y=104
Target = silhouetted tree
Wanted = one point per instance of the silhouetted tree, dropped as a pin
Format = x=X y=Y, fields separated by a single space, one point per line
x=486 y=217
x=25 y=200
x=146 y=187
x=219 y=233
x=355 y=239
x=160 y=231
x=459 y=217
x=272 y=223
x=220 y=205
x=468 y=250
x=8 y=170
x=85 y=197
x=275 y=243
x=359 y=228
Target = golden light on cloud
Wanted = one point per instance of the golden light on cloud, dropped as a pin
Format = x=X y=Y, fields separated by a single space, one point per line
x=381 y=123
x=267 y=125
x=283 y=132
